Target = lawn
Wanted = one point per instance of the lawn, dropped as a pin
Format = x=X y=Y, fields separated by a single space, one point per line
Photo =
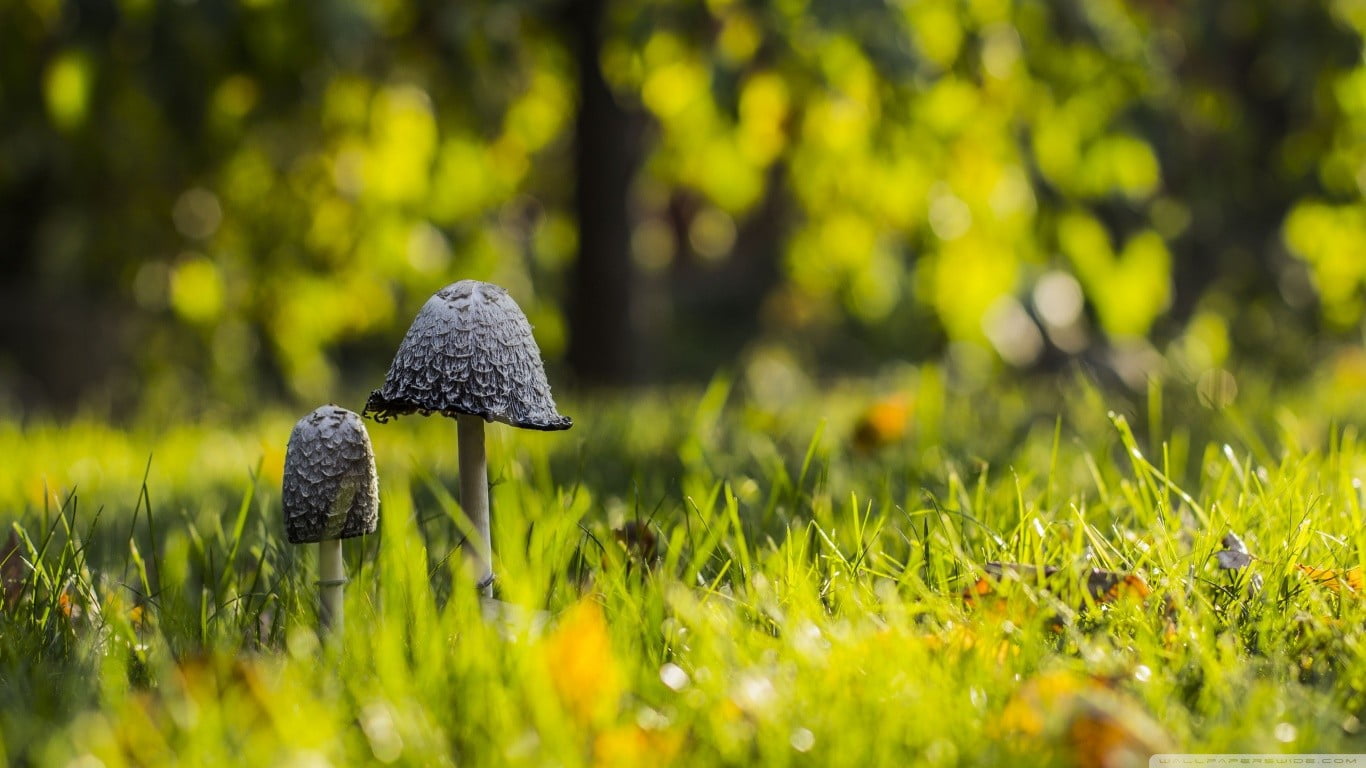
x=746 y=574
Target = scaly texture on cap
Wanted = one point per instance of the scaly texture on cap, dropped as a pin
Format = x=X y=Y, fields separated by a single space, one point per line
x=469 y=351
x=331 y=490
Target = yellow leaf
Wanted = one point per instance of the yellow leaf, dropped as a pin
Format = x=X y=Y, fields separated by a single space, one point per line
x=1108 y=732
x=631 y=745
x=1084 y=717
x=582 y=669
x=1025 y=712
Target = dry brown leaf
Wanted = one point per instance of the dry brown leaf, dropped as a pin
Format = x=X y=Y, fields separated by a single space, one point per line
x=639 y=540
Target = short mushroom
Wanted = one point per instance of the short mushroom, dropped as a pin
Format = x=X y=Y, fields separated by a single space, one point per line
x=469 y=355
x=331 y=492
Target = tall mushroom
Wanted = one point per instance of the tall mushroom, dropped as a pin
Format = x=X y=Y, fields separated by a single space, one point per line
x=331 y=492
x=469 y=355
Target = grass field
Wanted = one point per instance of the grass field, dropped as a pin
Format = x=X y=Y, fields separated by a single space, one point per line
x=710 y=577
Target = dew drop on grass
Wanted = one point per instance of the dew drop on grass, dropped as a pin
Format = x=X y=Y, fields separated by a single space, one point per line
x=377 y=721
x=978 y=697
x=1142 y=673
x=803 y=740
x=673 y=676
x=808 y=640
x=754 y=693
x=651 y=719
x=1285 y=733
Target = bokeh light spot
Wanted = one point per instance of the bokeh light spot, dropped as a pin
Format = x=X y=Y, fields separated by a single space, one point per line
x=197 y=289
x=66 y=87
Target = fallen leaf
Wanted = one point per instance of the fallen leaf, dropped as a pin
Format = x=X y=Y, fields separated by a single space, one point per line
x=980 y=588
x=1109 y=731
x=1111 y=586
x=1084 y=716
x=1234 y=555
x=1027 y=710
x=955 y=637
x=68 y=606
x=1335 y=579
x=1103 y=586
x=881 y=424
x=639 y=540
x=583 y=670
x=632 y=745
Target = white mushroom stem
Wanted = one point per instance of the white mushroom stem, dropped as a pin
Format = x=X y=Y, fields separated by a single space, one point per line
x=474 y=499
x=331 y=578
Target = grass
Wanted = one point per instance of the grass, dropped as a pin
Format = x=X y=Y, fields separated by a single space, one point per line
x=728 y=579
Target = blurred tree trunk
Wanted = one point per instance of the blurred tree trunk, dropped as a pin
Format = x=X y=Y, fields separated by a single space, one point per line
x=601 y=332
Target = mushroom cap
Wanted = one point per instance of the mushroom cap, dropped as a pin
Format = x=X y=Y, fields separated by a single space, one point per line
x=331 y=490
x=469 y=351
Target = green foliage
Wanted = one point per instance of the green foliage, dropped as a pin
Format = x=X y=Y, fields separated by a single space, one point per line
x=801 y=600
x=271 y=188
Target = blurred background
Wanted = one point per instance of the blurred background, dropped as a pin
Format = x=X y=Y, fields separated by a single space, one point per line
x=208 y=203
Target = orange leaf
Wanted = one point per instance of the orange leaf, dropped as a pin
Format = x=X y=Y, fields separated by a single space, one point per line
x=881 y=424
x=1110 y=586
x=1103 y=586
x=1335 y=579
x=979 y=588
x=68 y=606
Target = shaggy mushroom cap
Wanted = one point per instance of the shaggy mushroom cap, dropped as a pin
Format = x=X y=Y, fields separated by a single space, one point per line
x=469 y=351
x=331 y=490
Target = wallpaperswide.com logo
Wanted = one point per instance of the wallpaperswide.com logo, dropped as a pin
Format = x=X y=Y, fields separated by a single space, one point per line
x=1206 y=761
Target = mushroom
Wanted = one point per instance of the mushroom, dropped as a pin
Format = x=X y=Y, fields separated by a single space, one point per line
x=469 y=355
x=331 y=492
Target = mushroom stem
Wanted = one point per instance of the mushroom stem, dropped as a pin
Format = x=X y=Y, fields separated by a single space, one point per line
x=331 y=577
x=474 y=498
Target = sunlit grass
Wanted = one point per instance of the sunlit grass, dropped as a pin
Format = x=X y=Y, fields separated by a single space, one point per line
x=790 y=587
